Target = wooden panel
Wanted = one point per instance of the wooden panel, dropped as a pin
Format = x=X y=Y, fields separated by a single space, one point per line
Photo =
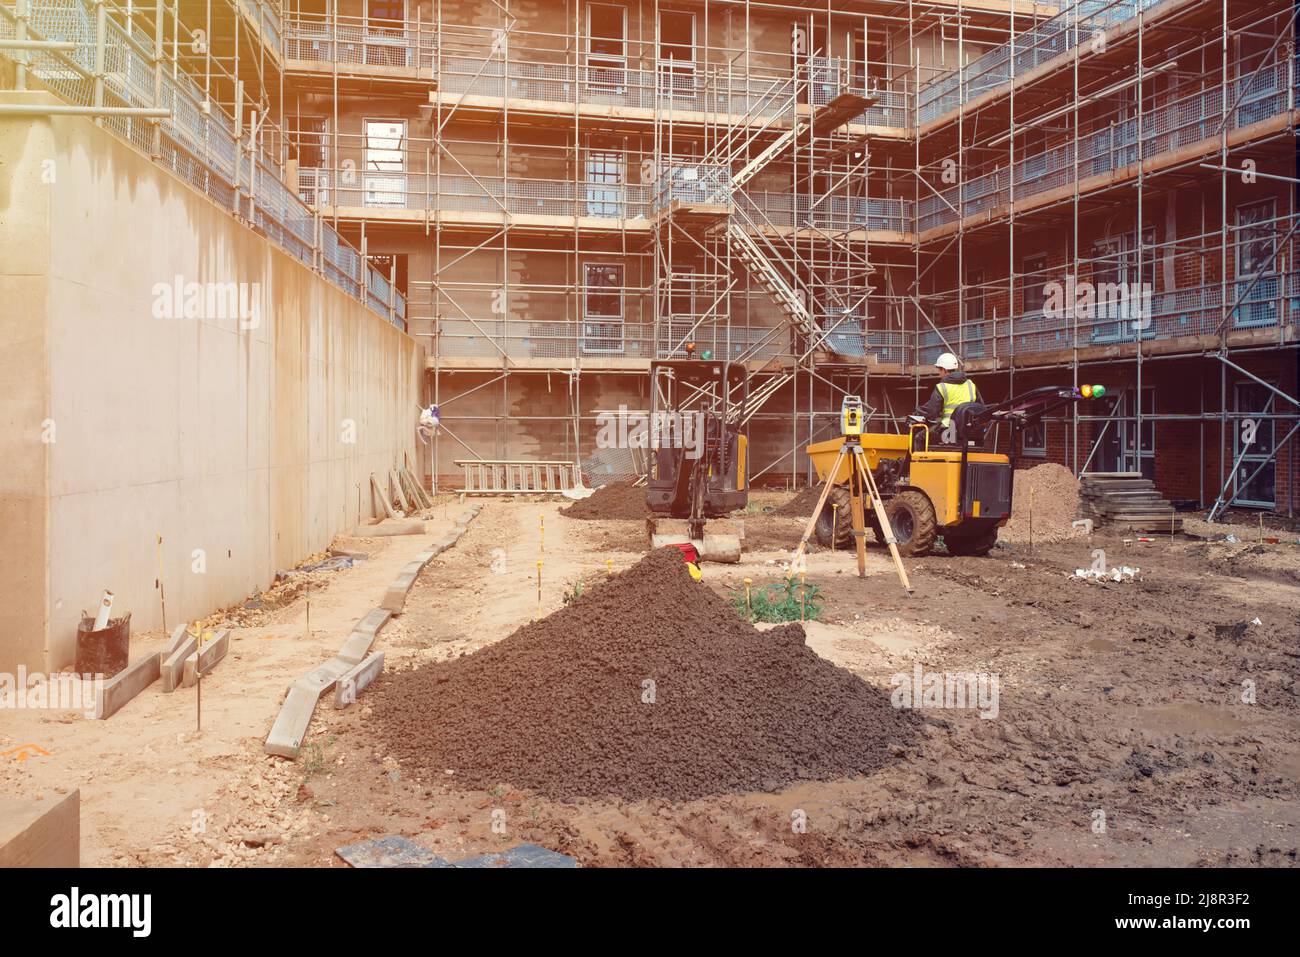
x=44 y=833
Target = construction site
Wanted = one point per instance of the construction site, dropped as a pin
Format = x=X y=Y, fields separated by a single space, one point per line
x=649 y=433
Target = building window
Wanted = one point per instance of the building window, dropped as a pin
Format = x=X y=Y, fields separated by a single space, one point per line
x=1033 y=439
x=388 y=12
x=604 y=171
x=974 y=295
x=1255 y=480
x=607 y=48
x=385 y=163
x=1255 y=238
x=1257 y=281
x=677 y=52
x=1033 y=279
x=677 y=40
x=681 y=299
x=313 y=151
x=602 y=307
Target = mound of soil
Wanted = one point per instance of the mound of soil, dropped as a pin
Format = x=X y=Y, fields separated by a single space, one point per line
x=1055 y=504
x=649 y=685
x=618 y=500
x=802 y=505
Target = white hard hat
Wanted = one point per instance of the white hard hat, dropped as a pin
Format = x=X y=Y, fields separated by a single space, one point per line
x=946 y=361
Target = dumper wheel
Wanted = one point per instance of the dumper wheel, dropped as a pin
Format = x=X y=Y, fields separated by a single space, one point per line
x=911 y=516
x=842 y=517
x=979 y=541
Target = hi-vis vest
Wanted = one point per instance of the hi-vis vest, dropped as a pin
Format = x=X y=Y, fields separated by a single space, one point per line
x=954 y=394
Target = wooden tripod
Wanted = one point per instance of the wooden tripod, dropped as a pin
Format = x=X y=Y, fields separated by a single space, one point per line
x=862 y=487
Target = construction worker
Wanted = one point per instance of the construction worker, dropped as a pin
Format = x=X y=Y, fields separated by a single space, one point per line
x=952 y=390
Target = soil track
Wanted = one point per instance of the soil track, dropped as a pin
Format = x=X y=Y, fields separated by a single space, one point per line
x=1121 y=734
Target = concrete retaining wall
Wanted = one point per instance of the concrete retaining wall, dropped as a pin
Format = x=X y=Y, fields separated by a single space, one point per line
x=242 y=439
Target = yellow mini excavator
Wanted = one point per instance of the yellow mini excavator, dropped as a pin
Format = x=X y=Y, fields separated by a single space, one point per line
x=698 y=451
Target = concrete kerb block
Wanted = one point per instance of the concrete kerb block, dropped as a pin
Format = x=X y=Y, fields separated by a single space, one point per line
x=206 y=658
x=395 y=597
x=373 y=622
x=175 y=641
x=363 y=635
x=390 y=527
x=323 y=677
x=125 y=685
x=355 y=681
x=291 y=723
x=173 y=666
x=285 y=739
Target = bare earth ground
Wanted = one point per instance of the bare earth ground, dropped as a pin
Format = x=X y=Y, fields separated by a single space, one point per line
x=1120 y=703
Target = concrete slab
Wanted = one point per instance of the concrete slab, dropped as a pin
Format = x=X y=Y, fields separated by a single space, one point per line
x=323 y=677
x=355 y=554
x=350 y=685
x=373 y=621
x=206 y=658
x=175 y=641
x=173 y=666
x=395 y=597
x=295 y=714
x=523 y=855
x=126 y=684
x=355 y=648
x=291 y=723
x=40 y=833
x=389 y=852
x=398 y=526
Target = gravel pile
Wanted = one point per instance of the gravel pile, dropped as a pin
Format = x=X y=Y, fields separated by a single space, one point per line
x=1055 y=504
x=649 y=685
x=617 y=500
x=802 y=505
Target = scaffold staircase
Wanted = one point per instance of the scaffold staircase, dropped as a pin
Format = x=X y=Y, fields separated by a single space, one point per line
x=745 y=236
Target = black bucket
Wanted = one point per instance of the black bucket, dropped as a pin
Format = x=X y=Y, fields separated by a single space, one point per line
x=104 y=652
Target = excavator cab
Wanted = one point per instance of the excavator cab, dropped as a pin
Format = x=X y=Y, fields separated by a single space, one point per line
x=697 y=462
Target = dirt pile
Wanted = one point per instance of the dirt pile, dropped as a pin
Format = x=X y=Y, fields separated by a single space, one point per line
x=649 y=685
x=802 y=505
x=1055 y=500
x=618 y=500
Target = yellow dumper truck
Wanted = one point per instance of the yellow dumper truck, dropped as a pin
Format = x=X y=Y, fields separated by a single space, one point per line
x=954 y=490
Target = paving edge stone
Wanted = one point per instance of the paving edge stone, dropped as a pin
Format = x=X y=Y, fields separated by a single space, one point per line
x=290 y=727
x=357 y=680
x=291 y=724
x=173 y=666
x=125 y=685
x=206 y=658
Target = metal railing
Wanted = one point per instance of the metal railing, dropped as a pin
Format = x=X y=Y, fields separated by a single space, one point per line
x=693 y=183
x=1098 y=307
x=360 y=41
x=1274 y=302
x=198 y=142
x=266 y=15
x=1191 y=118
x=1045 y=41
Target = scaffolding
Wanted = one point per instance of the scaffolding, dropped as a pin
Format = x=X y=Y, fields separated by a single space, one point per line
x=829 y=195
